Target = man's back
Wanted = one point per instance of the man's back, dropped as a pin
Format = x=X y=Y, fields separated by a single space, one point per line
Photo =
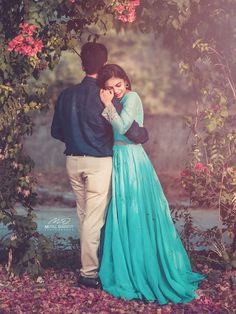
x=78 y=121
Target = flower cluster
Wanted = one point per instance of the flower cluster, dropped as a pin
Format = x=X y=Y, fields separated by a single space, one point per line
x=127 y=13
x=202 y=115
x=185 y=173
x=215 y=107
x=200 y=167
x=25 y=43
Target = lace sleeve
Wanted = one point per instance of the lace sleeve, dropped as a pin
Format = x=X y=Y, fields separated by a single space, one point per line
x=123 y=121
x=110 y=113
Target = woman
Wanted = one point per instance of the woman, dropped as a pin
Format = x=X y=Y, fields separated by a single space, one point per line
x=143 y=256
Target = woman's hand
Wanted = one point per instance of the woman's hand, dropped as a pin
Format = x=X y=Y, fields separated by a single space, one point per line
x=106 y=96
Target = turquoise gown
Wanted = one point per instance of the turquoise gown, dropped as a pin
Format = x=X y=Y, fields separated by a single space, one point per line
x=142 y=254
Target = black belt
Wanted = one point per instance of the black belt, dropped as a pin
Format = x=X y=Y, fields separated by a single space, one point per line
x=75 y=155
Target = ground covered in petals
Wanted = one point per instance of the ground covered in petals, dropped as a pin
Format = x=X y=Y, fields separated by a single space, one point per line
x=56 y=293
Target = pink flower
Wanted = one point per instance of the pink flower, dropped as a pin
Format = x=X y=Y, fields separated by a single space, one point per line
x=18 y=39
x=38 y=44
x=127 y=12
x=120 y=8
x=29 y=40
x=24 y=43
x=200 y=167
x=215 y=107
x=14 y=42
x=123 y=18
x=28 y=29
x=22 y=25
x=131 y=15
x=184 y=173
x=10 y=46
x=24 y=49
x=31 y=30
x=135 y=3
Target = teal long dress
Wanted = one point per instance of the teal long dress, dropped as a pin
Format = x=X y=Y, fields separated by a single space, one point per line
x=142 y=255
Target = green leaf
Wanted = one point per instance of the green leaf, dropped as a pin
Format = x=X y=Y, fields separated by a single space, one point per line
x=175 y=23
x=198 y=41
x=211 y=125
x=3 y=205
x=224 y=113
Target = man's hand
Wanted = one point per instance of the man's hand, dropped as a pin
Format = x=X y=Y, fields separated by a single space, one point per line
x=106 y=96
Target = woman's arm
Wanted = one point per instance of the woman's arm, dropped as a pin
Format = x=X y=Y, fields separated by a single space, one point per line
x=127 y=116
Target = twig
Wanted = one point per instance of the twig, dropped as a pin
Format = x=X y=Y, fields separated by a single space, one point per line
x=228 y=72
x=221 y=188
x=76 y=52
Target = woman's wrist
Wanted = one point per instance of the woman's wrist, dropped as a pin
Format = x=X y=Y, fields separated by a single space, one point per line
x=108 y=104
x=109 y=112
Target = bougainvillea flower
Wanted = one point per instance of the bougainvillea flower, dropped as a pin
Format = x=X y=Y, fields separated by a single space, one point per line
x=28 y=29
x=185 y=173
x=215 y=107
x=120 y=8
x=200 y=167
x=127 y=12
x=25 y=43
x=134 y=3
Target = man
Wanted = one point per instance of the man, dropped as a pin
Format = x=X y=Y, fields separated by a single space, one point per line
x=88 y=138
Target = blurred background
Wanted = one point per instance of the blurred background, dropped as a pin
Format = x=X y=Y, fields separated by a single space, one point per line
x=166 y=96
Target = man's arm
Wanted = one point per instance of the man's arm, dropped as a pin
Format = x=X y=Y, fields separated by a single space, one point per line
x=135 y=133
x=56 y=127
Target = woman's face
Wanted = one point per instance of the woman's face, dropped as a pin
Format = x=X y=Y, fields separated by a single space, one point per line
x=118 y=85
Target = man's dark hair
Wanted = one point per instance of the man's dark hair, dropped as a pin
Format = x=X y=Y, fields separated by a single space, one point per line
x=93 y=56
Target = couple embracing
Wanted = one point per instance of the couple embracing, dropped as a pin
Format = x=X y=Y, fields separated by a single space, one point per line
x=140 y=254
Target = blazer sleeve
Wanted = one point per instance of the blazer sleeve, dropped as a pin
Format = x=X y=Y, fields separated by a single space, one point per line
x=57 y=126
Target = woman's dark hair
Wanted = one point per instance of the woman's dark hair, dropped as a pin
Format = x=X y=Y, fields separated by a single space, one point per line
x=111 y=70
x=93 y=56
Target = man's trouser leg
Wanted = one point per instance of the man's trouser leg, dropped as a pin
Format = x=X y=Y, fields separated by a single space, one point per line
x=90 y=178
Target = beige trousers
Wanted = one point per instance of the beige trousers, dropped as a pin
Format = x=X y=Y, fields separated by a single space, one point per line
x=90 y=178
